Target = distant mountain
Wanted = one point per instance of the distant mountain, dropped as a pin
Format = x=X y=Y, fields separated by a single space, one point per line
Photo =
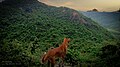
x=118 y=10
x=109 y=20
x=28 y=28
x=93 y=10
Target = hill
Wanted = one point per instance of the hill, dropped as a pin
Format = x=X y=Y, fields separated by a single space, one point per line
x=28 y=28
x=109 y=20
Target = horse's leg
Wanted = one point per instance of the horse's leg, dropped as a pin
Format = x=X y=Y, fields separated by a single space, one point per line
x=63 y=56
x=48 y=63
x=52 y=60
x=52 y=64
x=60 y=63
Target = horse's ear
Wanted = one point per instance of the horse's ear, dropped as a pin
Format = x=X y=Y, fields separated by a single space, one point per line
x=65 y=39
x=68 y=39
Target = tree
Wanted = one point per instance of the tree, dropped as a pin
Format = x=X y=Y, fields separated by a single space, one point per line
x=110 y=55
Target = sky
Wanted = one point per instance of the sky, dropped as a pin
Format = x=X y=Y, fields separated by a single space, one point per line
x=85 y=5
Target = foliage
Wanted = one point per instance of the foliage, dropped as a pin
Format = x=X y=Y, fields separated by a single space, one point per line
x=109 y=20
x=28 y=29
x=110 y=55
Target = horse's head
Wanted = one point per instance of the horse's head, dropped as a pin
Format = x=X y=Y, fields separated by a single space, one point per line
x=66 y=41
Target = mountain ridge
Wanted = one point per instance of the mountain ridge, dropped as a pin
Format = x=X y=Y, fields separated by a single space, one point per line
x=29 y=29
x=109 y=20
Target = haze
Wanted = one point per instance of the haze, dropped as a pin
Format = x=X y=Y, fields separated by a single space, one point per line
x=85 y=5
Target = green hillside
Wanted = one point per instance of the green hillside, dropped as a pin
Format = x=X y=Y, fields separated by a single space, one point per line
x=109 y=20
x=29 y=28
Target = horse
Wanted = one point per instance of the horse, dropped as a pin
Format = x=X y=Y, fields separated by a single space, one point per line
x=58 y=52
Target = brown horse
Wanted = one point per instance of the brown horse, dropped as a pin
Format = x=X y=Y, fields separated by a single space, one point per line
x=53 y=53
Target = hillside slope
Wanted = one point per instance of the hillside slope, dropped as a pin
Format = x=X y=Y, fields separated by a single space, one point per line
x=29 y=28
x=109 y=20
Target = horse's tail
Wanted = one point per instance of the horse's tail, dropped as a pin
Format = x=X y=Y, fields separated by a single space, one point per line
x=44 y=58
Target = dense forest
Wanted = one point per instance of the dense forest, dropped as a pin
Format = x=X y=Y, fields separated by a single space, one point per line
x=28 y=28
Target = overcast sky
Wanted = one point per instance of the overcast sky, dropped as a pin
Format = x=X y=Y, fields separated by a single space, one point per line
x=84 y=5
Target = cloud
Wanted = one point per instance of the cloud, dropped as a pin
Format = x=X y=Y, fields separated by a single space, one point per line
x=67 y=4
x=44 y=0
x=102 y=5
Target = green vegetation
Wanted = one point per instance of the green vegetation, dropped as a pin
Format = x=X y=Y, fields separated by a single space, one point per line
x=29 y=28
x=109 y=20
x=110 y=55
